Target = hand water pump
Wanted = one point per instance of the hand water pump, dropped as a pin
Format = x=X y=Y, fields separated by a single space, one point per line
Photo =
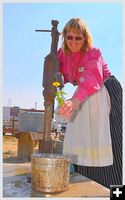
x=50 y=75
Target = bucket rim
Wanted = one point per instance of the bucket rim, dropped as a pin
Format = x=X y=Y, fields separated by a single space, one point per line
x=51 y=156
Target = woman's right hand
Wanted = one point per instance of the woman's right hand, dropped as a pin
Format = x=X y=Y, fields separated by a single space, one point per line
x=69 y=107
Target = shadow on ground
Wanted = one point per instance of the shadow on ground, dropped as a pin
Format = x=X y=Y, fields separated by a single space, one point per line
x=15 y=160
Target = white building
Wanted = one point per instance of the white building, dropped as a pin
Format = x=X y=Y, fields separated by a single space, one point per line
x=6 y=113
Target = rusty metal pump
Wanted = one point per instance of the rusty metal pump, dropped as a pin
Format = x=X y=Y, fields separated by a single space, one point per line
x=50 y=74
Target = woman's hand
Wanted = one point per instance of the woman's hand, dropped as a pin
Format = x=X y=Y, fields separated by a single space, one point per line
x=69 y=107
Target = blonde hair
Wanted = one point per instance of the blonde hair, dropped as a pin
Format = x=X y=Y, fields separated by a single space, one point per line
x=76 y=25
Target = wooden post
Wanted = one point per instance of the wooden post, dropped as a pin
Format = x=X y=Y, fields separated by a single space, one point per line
x=25 y=146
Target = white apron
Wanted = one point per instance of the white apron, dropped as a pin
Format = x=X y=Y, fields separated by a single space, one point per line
x=87 y=137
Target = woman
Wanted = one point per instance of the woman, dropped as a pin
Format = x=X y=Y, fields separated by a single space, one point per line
x=94 y=132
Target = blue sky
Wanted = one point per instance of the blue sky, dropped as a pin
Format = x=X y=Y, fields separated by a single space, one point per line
x=24 y=49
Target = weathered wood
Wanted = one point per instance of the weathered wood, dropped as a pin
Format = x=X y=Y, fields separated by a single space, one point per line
x=25 y=146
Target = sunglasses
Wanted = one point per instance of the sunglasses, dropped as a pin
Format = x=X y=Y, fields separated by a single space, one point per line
x=77 y=38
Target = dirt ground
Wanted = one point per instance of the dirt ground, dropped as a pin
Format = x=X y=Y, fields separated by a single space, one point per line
x=9 y=148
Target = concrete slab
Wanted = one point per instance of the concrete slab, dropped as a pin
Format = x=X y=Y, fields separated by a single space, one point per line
x=15 y=184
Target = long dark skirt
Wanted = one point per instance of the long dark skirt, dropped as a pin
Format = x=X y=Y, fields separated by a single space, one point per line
x=110 y=175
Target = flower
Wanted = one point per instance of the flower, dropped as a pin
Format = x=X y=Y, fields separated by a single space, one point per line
x=56 y=84
x=59 y=93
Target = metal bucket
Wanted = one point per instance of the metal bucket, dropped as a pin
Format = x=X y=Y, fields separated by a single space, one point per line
x=50 y=172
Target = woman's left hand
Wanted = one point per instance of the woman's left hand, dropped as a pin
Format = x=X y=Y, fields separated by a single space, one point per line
x=69 y=107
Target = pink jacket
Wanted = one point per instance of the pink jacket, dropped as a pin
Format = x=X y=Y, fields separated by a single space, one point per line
x=88 y=69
